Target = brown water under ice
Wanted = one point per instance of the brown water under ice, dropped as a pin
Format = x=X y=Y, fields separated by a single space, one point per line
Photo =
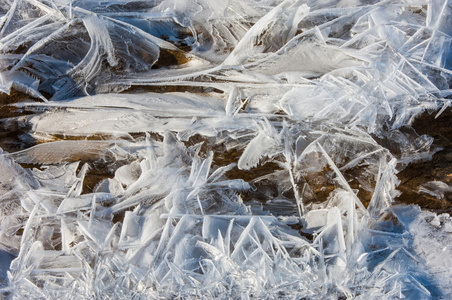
x=15 y=136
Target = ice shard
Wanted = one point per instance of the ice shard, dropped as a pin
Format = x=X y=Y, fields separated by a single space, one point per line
x=231 y=150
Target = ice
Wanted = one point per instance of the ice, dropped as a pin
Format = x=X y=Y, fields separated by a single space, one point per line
x=283 y=21
x=259 y=146
x=231 y=150
x=437 y=189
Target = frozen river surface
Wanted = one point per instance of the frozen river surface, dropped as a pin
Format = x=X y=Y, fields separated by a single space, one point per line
x=237 y=149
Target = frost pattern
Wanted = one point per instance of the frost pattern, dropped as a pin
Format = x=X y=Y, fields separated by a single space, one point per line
x=306 y=85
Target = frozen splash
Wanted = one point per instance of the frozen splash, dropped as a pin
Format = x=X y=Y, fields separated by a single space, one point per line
x=222 y=90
